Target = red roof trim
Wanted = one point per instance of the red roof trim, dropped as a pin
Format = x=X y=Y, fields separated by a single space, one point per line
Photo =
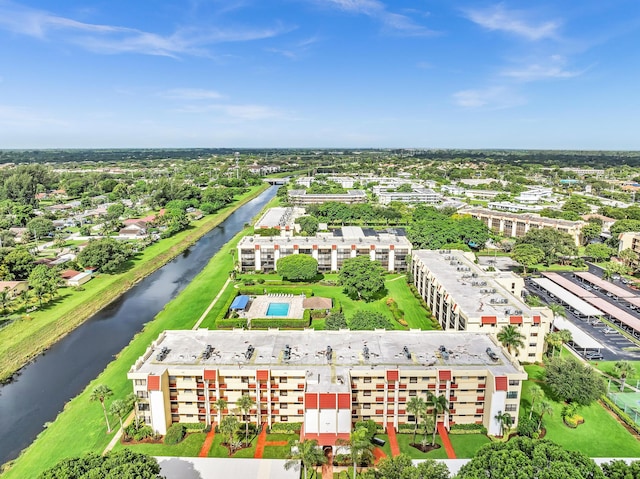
x=393 y=374
x=153 y=383
x=262 y=374
x=444 y=375
x=311 y=401
x=210 y=374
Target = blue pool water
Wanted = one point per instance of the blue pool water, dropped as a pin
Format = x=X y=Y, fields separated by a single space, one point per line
x=278 y=309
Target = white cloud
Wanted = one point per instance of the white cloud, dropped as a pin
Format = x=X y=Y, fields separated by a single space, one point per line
x=111 y=39
x=552 y=68
x=498 y=18
x=378 y=10
x=191 y=94
x=494 y=98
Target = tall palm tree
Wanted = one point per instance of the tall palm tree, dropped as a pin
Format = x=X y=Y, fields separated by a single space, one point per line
x=245 y=403
x=100 y=393
x=557 y=310
x=537 y=394
x=438 y=404
x=544 y=407
x=623 y=369
x=220 y=405
x=360 y=447
x=307 y=453
x=554 y=341
x=505 y=420
x=417 y=407
x=510 y=337
x=119 y=408
x=565 y=336
x=228 y=427
x=132 y=400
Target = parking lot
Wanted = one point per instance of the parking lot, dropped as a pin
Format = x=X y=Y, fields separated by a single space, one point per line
x=616 y=346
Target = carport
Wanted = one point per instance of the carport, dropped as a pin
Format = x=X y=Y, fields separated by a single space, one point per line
x=581 y=339
x=577 y=305
x=606 y=286
x=569 y=285
x=630 y=322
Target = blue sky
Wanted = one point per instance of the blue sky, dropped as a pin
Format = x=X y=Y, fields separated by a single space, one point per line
x=320 y=73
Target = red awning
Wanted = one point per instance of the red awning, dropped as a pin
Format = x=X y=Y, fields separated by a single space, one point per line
x=210 y=374
x=515 y=320
x=489 y=320
x=536 y=320
x=501 y=383
x=444 y=375
x=344 y=401
x=153 y=383
x=327 y=401
x=392 y=375
x=311 y=400
x=262 y=375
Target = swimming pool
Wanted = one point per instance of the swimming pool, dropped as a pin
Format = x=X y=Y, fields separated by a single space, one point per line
x=278 y=309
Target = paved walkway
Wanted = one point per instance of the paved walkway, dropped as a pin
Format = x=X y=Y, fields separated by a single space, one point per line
x=215 y=300
x=262 y=439
x=444 y=435
x=327 y=471
x=378 y=455
x=116 y=437
x=208 y=441
x=393 y=440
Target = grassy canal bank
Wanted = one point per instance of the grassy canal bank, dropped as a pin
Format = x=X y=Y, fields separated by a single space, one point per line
x=80 y=427
x=26 y=338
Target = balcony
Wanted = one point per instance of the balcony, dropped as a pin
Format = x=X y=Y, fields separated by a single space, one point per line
x=480 y=411
x=379 y=386
x=379 y=411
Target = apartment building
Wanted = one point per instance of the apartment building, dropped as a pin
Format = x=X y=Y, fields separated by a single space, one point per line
x=418 y=195
x=326 y=380
x=517 y=225
x=465 y=297
x=390 y=247
x=513 y=207
x=301 y=197
x=630 y=240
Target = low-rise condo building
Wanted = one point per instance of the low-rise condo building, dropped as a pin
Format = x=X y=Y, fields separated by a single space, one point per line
x=391 y=248
x=465 y=297
x=517 y=225
x=326 y=380
x=301 y=197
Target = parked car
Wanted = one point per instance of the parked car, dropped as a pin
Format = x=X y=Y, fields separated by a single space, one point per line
x=593 y=356
x=609 y=330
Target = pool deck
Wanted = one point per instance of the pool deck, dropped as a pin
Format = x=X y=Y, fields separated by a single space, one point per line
x=260 y=304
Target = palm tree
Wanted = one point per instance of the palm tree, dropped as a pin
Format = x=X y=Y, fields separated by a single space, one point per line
x=437 y=404
x=557 y=310
x=544 y=408
x=417 y=407
x=360 y=447
x=4 y=298
x=228 y=427
x=119 y=408
x=100 y=393
x=220 y=405
x=537 y=394
x=510 y=337
x=307 y=453
x=132 y=400
x=505 y=420
x=553 y=340
x=565 y=336
x=245 y=403
x=623 y=369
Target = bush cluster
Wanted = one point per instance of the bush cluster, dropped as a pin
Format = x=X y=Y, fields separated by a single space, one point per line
x=175 y=434
x=468 y=428
x=283 y=323
x=286 y=427
x=231 y=323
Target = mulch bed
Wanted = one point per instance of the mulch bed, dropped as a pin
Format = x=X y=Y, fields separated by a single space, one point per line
x=425 y=448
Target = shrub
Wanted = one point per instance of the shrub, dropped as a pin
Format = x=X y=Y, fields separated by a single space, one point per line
x=286 y=427
x=195 y=427
x=468 y=428
x=256 y=290
x=337 y=307
x=621 y=414
x=138 y=433
x=527 y=427
x=175 y=434
x=231 y=323
x=285 y=323
x=370 y=426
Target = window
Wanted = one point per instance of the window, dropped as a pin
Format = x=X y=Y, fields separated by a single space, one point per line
x=366 y=418
x=188 y=403
x=512 y=394
x=140 y=382
x=533 y=345
x=367 y=393
x=244 y=380
x=143 y=407
x=283 y=380
x=413 y=380
x=367 y=380
x=513 y=285
x=284 y=405
x=143 y=394
x=533 y=335
x=284 y=418
x=511 y=407
x=413 y=393
x=513 y=382
x=366 y=406
x=411 y=418
x=532 y=355
x=284 y=393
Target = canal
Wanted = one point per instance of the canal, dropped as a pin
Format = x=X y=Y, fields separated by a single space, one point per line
x=39 y=393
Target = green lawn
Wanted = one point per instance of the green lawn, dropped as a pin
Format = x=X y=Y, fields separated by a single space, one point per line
x=218 y=450
x=278 y=452
x=466 y=445
x=80 y=427
x=397 y=288
x=600 y=435
x=189 y=447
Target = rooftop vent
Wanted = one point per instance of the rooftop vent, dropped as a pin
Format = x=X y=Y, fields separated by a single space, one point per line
x=286 y=352
x=365 y=352
x=206 y=354
x=162 y=354
x=329 y=353
x=406 y=352
x=249 y=352
x=492 y=355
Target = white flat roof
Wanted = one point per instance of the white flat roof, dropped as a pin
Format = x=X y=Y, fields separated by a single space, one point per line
x=579 y=337
x=567 y=297
x=217 y=467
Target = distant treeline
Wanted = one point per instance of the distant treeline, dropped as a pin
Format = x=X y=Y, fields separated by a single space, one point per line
x=595 y=159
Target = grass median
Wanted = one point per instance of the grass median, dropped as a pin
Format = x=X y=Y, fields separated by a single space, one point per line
x=24 y=339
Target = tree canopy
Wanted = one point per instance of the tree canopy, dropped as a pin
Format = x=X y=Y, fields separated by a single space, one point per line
x=401 y=467
x=107 y=255
x=369 y=320
x=554 y=243
x=123 y=464
x=297 y=267
x=433 y=229
x=524 y=458
x=572 y=381
x=527 y=255
x=362 y=278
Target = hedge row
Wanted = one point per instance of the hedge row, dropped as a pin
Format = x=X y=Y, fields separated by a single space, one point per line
x=621 y=414
x=285 y=323
x=409 y=428
x=231 y=323
x=337 y=307
x=286 y=427
x=468 y=429
x=258 y=290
